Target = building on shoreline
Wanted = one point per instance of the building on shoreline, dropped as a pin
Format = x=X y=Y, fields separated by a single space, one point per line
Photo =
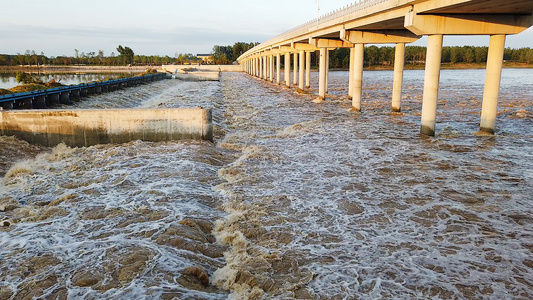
x=206 y=58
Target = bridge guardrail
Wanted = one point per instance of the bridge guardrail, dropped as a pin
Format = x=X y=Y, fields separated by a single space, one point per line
x=304 y=28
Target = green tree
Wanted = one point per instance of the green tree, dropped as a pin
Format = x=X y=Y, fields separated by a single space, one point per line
x=415 y=54
x=481 y=54
x=386 y=55
x=525 y=55
x=446 y=53
x=468 y=56
x=455 y=55
x=334 y=61
x=372 y=55
x=3 y=60
x=223 y=54
x=125 y=54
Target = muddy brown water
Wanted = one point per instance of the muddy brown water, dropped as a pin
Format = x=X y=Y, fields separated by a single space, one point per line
x=294 y=200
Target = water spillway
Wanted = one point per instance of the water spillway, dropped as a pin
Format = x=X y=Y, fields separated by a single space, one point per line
x=82 y=128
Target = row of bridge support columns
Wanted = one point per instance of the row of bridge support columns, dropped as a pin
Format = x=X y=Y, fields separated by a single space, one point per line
x=491 y=90
x=268 y=67
x=415 y=25
x=301 y=71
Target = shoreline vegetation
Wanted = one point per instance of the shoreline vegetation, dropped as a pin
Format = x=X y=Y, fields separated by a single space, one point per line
x=113 y=69
x=374 y=58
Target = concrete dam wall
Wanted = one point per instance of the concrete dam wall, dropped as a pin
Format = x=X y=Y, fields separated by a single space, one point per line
x=78 y=128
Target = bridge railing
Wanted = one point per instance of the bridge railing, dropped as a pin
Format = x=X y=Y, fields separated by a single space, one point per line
x=315 y=23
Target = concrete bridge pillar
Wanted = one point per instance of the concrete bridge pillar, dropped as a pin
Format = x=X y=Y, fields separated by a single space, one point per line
x=265 y=66
x=295 y=69
x=492 y=83
x=322 y=70
x=351 y=71
x=327 y=70
x=278 y=68
x=302 y=70
x=431 y=84
x=262 y=60
x=357 y=89
x=271 y=68
x=307 y=70
x=254 y=66
x=399 y=60
x=261 y=69
x=288 y=69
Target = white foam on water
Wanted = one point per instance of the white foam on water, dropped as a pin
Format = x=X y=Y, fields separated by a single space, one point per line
x=106 y=209
x=308 y=201
x=369 y=207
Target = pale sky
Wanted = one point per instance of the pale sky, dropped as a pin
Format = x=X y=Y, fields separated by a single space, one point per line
x=164 y=27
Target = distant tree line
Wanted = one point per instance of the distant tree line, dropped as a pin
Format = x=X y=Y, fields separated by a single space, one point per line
x=224 y=55
x=125 y=56
x=375 y=56
x=339 y=58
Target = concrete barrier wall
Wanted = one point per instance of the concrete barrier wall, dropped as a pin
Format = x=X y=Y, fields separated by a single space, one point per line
x=77 y=128
x=212 y=68
x=198 y=76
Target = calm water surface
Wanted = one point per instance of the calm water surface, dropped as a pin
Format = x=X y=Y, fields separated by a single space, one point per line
x=293 y=200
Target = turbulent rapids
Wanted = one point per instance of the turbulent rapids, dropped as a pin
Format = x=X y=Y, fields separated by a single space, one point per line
x=293 y=200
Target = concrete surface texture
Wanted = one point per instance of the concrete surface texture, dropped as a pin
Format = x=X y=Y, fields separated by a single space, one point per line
x=211 y=68
x=78 y=128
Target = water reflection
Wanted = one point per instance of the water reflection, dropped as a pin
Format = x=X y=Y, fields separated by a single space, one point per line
x=8 y=80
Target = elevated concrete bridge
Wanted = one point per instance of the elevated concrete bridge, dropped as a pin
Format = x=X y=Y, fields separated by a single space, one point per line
x=397 y=22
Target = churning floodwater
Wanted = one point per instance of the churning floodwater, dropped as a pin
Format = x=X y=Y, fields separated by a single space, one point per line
x=294 y=200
